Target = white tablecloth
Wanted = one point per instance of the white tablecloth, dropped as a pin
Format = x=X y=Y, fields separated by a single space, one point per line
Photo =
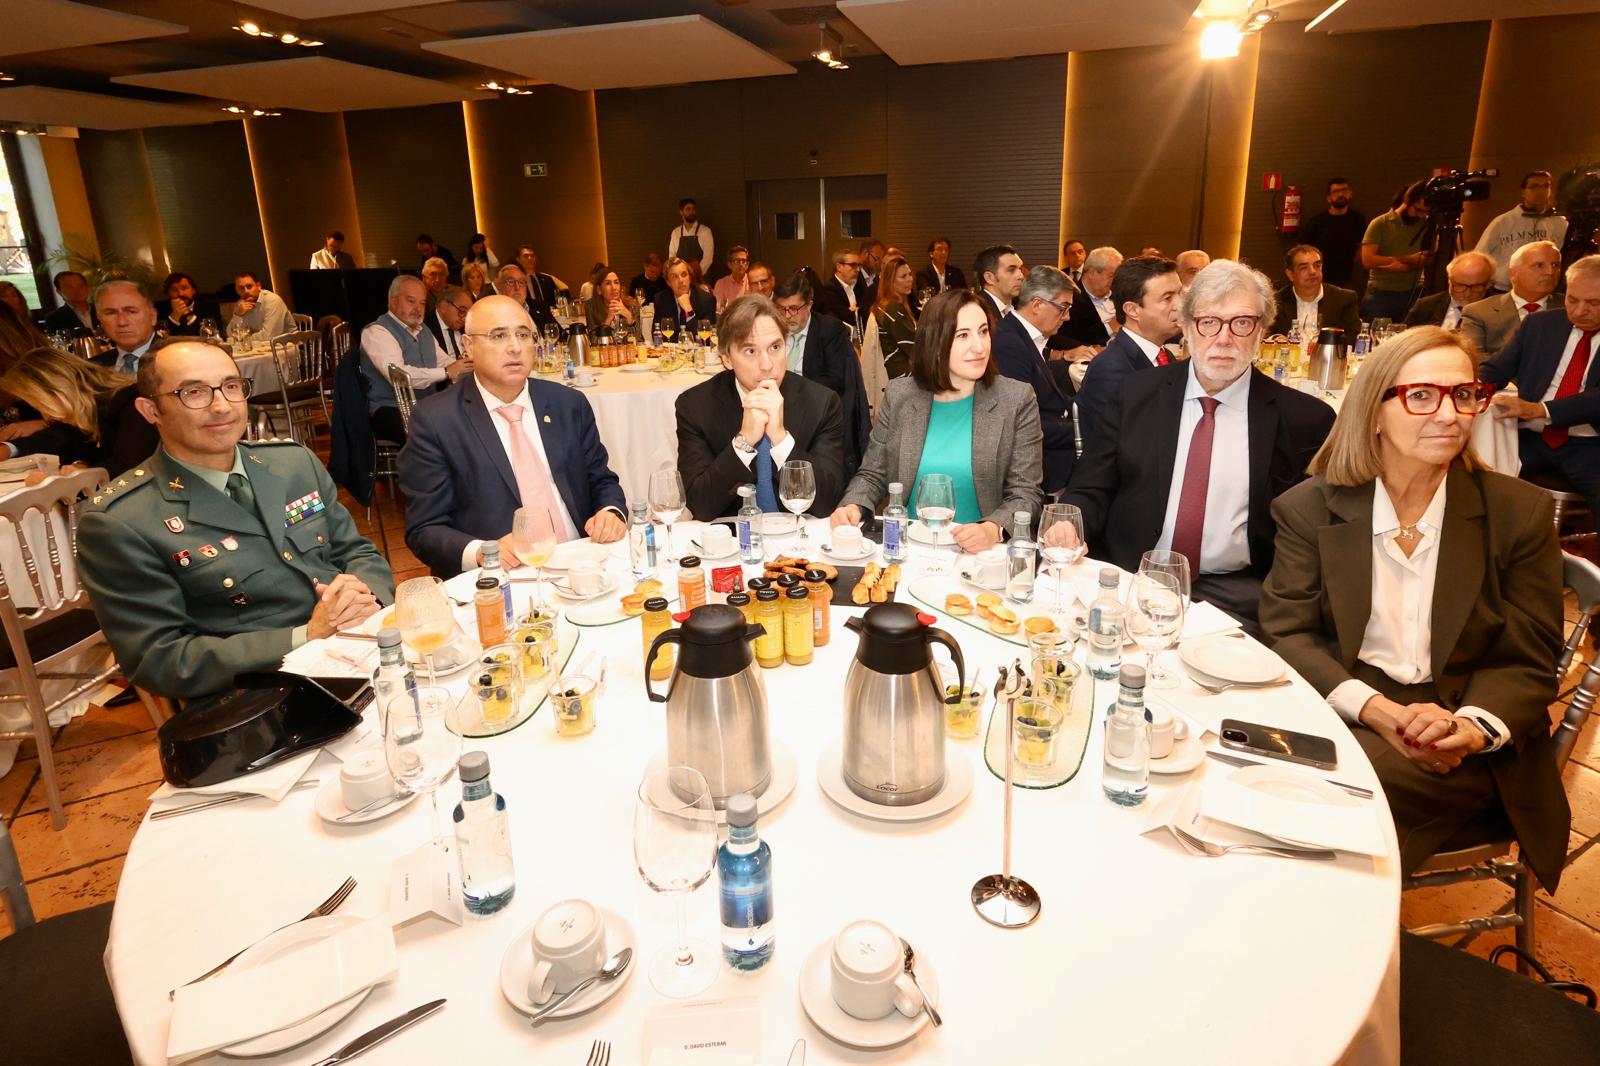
x=257 y=366
x=1494 y=440
x=1143 y=954
x=638 y=425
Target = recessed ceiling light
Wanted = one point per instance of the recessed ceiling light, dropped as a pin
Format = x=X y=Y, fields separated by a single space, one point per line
x=249 y=27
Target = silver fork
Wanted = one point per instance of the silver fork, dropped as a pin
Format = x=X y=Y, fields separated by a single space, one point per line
x=599 y=1053
x=1195 y=846
x=321 y=910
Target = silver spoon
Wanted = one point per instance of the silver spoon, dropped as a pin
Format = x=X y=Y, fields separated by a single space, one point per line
x=927 y=1004
x=1223 y=686
x=374 y=805
x=610 y=971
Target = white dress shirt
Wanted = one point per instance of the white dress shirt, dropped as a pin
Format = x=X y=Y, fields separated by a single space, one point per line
x=450 y=348
x=504 y=428
x=1581 y=429
x=1153 y=352
x=1522 y=304
x=1001 y=307
x=938 y=277
x=1225 y=539
x=780 y=450
x=1399 y=635
x=383 y=351
x=1306 y=315
x=1106 y=310
x=322 y=259
x=1452 y=317
x=1038 y=339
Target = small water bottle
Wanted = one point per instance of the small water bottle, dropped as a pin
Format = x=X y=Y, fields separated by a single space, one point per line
x=1363 y=343
x=1021 y=556
x=570 y=374
x=1105 y=628
x=894 y=525
x=655 y=336
x=394 y=676
x=483 y=839
x=641 y=542
x=744 y=873
x=1126 y=779
x=748 y=527
x=492 y=568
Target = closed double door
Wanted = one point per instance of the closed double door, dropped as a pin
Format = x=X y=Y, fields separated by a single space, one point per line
x=799 y=222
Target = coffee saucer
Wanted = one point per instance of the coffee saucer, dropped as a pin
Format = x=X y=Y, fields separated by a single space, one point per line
x=780 y=783
x=816 y=996
x=1185 y=755
x=866 y=552
x=330 y=805
x=516 y=965
x=957 y=787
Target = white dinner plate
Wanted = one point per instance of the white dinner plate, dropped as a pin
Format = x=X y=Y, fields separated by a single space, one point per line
x=816 y=996
x=572 y=551
x=778 y=523
x=639 y=368
x=957 y=787
x=608 y=585
x=517 y=964
x=1242 y=662
x=330 y=805
x=1285 y=784
x=281 y=943
x=1186 y=754
x=921 y=534
x=780 y=784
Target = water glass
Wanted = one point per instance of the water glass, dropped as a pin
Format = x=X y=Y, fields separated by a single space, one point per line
x=497 y=684
x=667 y=500
x=936 y=509
x=675 y=851
x=1159 y=560
x=1154 y=615
x=572 y=698
x=1037 y=724
x=418 y=744
x=1061 y=542
x=535 y=638
x=797 y=488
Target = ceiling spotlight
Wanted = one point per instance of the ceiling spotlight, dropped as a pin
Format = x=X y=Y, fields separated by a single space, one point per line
x=830 y=43
x=1256 y=20
x=289 y=38
x=254 y=29
x=304 y=43
x=1220 y=40
x=251 y=28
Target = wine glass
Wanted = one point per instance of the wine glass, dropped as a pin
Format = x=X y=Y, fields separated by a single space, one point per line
x=1154 y=618
x=1169 y=562
x=675 y=850
x=668 y=328
x=419 y=746
x=666 y=500
x=208 y=330
x=936 y=508
x=422 y=613
x=797 y=488
x=533 y=538
x=702 y=330
x=1061 y=542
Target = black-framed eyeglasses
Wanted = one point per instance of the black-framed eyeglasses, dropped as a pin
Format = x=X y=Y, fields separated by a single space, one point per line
x=502 y=336
x=1239 y=325
x=1065 y=309
x=1424 y=398
x=198 y=396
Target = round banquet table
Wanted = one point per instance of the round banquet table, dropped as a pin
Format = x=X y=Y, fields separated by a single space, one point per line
x=1143 y=953
x=637 y=421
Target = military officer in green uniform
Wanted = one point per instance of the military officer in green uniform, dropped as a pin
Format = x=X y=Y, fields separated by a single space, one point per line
x=218 y=556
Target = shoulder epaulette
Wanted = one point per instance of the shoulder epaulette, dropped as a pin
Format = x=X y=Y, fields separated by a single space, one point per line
x=120 y=487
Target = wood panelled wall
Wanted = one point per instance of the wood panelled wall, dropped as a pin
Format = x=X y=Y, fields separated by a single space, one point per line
x=411 y=176
x=127 y=219
x=200 y=176
x=301 y=162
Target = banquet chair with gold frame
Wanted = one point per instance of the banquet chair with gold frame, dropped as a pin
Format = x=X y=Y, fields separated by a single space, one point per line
x=1484 y=851
x=59 y=625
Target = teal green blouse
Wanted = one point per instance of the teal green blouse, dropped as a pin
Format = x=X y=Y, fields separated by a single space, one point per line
x=948 y=450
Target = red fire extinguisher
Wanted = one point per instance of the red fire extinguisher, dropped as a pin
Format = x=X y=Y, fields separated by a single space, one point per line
x=1289 y=216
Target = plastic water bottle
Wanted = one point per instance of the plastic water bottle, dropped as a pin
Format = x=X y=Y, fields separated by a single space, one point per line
x=641 y=542
x=748 y=527
x=744 y=873
x=1105 y=628
x=570 y=374
x=394 y=676
x=1126 y=779
x=492 y=568
x=894 y=525
x=483 y=837
x=1021 y=556
x=1363 y=343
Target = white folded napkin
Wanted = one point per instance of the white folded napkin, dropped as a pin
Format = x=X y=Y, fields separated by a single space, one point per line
x=242 y=1003
x=1204 y=620
x=1352 y=828
x=274 y=783
x=333 y=657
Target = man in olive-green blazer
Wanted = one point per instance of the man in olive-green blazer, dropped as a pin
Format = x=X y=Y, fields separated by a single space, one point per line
x=218 y=556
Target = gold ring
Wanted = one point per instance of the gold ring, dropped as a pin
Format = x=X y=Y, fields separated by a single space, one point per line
x=1454 y=725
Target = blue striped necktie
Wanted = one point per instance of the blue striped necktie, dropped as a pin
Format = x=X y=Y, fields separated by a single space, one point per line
x=766 y=499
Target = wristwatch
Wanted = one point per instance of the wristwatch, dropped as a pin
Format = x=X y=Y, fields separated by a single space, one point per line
x=742 y=446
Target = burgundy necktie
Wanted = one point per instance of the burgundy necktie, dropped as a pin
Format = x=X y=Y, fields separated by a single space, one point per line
x=1190 y=526
x=1530 y=307
x=1571 y=383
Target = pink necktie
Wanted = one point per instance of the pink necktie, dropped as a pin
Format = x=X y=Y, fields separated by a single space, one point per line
x=534 y=485
x=1189 y=529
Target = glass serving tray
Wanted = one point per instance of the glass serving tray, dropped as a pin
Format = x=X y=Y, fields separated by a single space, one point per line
x=466 y=719
x=1071 y=741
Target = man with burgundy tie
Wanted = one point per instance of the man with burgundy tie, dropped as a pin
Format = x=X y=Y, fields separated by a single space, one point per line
x=1535 y=271
x=1557 y=408
x=1147 y=292
x=1190 y=456
x=499 y=441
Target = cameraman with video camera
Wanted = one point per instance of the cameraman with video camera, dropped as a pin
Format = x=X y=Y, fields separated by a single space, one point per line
x=1394 y=258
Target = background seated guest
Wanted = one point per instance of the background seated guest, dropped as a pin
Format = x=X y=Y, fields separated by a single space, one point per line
x=186 y=309
x=543 y=290
x=741 y=426
x=1489 y=324
x=999 y=271
x=499 y=441
x=1147 y=296
x=12 y=297
x=649 y=280
x=88 y=411
x=447 y=322
x=954 y=415
x=399 y=338
x=76 y=313
x=1094 y=311
x=1309 y=304
x=436 y=278
x=129 y=319
x=1073 y=255
x=1470 y=275
x=939 y=274
x=891 y=330
x=19 y=335
x=1190 y=456
x=735 y=283
x=1190 y=263
x=262 y=309
x=610 y=308
x=194 y=573
x=683 y=302
x=819 y=349
x=1019 y=340
x=332 y=256
x=760 y=279
x=586 y=290
x=428 y=248
x=838 y=296
x=475 y=280
x=478 y=251
x=1421 y=595
x=1552 y=360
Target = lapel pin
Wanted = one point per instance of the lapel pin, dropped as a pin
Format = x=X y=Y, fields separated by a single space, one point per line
x=256 y=460
x=208 y=550
x=182 y=558
x=547 y=419
x=230 y=542
x=175 y=524
x=175 y=484
x=122 y=483
x=139 y=472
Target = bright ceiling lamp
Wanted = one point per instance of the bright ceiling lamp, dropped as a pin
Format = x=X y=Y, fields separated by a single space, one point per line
x=1220 y=40
x=830 y=48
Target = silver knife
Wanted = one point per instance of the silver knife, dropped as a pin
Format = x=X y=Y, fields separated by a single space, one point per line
x=373 y=1037
x=1234 y=760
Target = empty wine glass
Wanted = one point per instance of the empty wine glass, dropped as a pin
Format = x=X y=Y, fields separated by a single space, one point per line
x=533 y=538
x=1061 y=542
x=675 y=850
x=936 y=509
x=797 y=488
x=422 y=613
x=419 y=746
x=1154 y=615
x=1159 y=560
x=666 y=500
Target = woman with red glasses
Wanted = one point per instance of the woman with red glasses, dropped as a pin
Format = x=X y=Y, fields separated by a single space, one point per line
x=1420 y=593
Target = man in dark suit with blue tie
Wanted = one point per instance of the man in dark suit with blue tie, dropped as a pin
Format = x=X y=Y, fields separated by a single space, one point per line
x=1041 y=308
x=1552 y=360
x=499 y=441
x=1147 y=293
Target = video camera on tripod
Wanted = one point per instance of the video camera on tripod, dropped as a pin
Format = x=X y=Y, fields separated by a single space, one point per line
x=1445 y=195
x=1578 y=197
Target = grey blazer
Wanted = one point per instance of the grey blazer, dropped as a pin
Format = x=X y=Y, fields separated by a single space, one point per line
x=1491 y=323
x=1007 y=448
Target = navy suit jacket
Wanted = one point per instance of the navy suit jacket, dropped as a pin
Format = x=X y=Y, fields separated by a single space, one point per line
x=830 y=360
x=458 y=481
x=1107 y=372
x=1530 y=359
x=1083 y=327
x=1017 y=358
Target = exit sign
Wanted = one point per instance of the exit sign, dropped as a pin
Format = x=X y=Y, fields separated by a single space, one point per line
x=535 y=170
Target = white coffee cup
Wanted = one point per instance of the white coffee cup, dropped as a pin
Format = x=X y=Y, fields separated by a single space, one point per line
x=364 y=778
x=717 y=540
x=847 y=540
x=585 y=577
x=569 y=947
x=990 y=568
x=585 y=379
x=1165 y=730
x=868 y=973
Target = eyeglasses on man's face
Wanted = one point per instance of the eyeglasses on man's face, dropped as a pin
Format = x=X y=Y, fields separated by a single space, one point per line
x=1238 y=325
x=503 y=336
x=198 y=396
x=1424 y=398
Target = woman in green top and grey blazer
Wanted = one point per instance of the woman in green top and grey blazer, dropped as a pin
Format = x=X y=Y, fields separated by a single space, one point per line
x=955 y=415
